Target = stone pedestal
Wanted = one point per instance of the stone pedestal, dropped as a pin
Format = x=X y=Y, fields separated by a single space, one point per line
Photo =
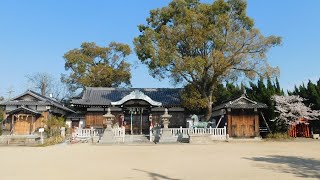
x=200 y=139
x=108 y=137
x=166 y=136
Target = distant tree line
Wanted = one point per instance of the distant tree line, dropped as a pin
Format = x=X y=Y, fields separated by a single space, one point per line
x=310 y=92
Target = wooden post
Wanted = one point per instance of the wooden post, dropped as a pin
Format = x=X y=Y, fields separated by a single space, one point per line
x=141 y=120
x=229 y=123
x=265 y=122
x=131 y=122
x=256 y=123
x=12 y=124
x=217 y=126
x=34 y=124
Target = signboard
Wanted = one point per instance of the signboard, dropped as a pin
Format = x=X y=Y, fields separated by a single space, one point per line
x=41 y=130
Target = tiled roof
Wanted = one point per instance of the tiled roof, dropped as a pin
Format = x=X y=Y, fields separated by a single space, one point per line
x=242 y=102
x=26 y=103
x=104 y=96
x=25 y=109
x=53 y=102
x=43 y=100
x=76 y=115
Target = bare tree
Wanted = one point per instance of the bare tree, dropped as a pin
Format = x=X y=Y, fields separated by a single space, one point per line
x=41 y=82
x=47 y=85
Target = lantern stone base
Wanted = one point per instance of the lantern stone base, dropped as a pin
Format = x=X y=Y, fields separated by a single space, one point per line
x=167 y=137
x=107 y=137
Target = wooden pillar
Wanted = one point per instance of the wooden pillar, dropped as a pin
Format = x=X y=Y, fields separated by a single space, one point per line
x=229 y=123
x=12 y=124
x=27 y=120
x=256 y=123
x=141 y=110
x=32 y=124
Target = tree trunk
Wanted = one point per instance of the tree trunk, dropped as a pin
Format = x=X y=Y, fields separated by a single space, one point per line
x=43 y=89
x=208 y=112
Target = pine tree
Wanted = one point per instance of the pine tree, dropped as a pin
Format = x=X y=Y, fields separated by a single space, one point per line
x=227 y=92
x=263 y=93
x=311 y=94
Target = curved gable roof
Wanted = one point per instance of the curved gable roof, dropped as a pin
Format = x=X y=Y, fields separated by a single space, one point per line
x=242 y=102
x=100 y=96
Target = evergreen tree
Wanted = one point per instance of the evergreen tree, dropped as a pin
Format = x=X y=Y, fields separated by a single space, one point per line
x=262 y=93
x=227 y=92
x=311 y=94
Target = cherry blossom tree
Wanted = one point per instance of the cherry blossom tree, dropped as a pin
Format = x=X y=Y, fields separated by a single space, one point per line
x=291 y=109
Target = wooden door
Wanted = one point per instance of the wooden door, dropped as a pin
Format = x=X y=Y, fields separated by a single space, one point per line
x=95 y=119
x=22 y=127
x=234 y=126
x=242 y=125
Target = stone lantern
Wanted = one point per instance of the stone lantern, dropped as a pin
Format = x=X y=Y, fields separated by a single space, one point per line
x=109 y=119
x=108 y=136
x=166 y=136
x=166 y=119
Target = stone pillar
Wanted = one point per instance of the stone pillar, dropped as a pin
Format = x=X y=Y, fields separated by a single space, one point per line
x=63 y=131
x=108 y=134
x=166 y=136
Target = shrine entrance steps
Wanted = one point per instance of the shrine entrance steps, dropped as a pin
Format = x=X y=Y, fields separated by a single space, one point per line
x=136 y=139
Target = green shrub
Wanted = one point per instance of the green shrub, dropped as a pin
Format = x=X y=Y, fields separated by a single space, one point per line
x=53 y=140
x=279 y=136
x=53 y=126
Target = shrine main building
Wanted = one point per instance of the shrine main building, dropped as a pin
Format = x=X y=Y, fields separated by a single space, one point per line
x=139 y=108
x=136 y=109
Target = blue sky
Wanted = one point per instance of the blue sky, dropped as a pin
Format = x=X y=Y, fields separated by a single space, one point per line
x=35 y=34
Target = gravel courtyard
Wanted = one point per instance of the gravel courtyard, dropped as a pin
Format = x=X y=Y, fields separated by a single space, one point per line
x=229 y=161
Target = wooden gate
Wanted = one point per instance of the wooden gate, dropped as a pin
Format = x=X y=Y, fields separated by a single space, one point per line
x=243 y=125
x=22 y=127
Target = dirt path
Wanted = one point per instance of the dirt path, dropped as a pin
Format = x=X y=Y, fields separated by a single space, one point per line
x=229 y=161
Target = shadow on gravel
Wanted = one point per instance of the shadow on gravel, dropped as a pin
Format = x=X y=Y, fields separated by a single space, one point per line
x=298 y=166
x=155 y=176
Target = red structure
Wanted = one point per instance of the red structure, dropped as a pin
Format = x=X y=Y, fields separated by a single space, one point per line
x=299 y=128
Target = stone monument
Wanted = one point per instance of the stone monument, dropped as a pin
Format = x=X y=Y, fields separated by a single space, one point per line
x=108 y=134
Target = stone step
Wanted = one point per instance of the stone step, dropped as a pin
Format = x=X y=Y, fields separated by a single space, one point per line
x=128 y=139
x=18 y=140
x=136 y=139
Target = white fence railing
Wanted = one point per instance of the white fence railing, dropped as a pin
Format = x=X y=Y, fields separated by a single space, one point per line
x=119 y=133
x=84 y=133
x=179 y=131
x=216 y=133
x=87 y=133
